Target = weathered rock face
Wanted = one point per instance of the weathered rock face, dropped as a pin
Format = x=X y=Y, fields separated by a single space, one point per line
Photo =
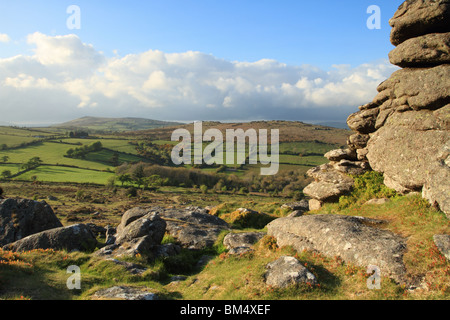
x=424 y=51
x=404 y=132
x=21 y=218
x=354 y=239
x=150 y=226
x=193 y=227
x=77 y=237
x=415 y=89
x=408 y=146
x=415 y=18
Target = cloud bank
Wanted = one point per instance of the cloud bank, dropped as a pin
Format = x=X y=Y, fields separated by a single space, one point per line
x=65 y=78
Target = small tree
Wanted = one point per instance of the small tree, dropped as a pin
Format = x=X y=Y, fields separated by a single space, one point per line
x=5 y=159
x=6 y=174
x=138 y=175
x=32 y=163
x=204 y=189
x=110 y=184
x=115 y=159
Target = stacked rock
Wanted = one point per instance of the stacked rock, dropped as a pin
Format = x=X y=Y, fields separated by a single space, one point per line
x=404 y=132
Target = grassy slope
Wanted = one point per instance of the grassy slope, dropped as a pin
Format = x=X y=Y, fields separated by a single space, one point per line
x=38 y=274
x=113 y=124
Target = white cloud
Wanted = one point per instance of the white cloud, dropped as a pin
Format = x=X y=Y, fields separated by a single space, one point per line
x=66 y=78
x=4 y=38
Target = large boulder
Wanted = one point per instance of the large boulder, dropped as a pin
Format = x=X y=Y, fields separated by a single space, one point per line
x=355 y=240
x=424 y=51
x=77 y=237
x=150 y=226
x=21 y=218
x=140 y=232
x=418 y=17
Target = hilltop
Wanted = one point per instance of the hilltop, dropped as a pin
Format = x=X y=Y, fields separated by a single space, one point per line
x=290 y=131
x=113 y=124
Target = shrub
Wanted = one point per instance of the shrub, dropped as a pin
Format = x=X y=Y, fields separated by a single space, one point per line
x=269 y=242
x=247 y=219
x=131 y=192
x=367 y=186
x=204 y=189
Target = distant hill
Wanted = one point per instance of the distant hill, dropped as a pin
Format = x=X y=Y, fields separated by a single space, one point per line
x=97 y=124
x=333 y=124
x=289 y=131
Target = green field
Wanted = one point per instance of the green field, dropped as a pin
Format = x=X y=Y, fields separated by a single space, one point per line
x=306 y=147
x=65 y=174
x=113 y=144
x=97 y=167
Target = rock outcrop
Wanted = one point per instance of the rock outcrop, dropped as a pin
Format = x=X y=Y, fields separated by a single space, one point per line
x=141 y=231
x=77 y=237
x=404 y=132
x=193 y=227
x=355 y=240
x=21 y=218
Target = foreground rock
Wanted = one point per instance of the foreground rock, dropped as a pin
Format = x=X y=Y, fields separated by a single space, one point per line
x=141 y=231
x=77 y=237
x=442 y=242
x=193 y=227
x=239 y=243
x=329 y=184
x=21 y=218
x=287 y=271
x=124 y=293
x=150 y=226
x=355 y=240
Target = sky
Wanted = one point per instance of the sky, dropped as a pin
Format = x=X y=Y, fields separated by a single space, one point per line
x=187 y=60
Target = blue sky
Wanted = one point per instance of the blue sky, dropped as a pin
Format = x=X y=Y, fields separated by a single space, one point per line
x=305 y=37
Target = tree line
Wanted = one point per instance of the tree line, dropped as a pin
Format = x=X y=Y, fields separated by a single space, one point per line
x=81 y=152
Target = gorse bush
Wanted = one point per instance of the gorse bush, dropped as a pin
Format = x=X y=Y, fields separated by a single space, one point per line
x=367 y=186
